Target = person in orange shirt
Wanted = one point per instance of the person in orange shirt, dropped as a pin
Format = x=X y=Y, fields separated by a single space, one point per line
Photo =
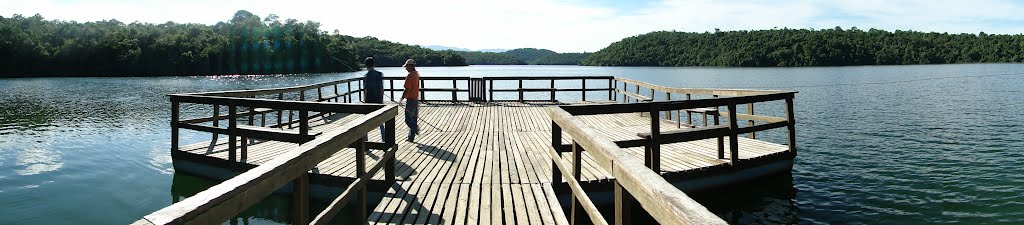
x=411 y=94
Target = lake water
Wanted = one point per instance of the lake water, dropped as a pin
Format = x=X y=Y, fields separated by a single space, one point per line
x=878 y=144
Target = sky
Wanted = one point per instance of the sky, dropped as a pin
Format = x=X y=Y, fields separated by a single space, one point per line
x=559 y=25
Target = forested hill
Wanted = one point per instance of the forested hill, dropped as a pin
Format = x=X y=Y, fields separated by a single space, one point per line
x=247 y=44
x=791 y=47
x=522 y=56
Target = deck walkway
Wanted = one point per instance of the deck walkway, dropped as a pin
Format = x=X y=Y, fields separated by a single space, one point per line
x=486 y=164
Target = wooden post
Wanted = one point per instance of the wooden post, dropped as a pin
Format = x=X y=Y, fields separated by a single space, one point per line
x=303 y=122
x=302 y=95
x=791 y=117
x=360 y=171
x=520 y=90
x=455 y=86
x=615 y=95
x=623 y=204
x=392 y=83
x=232 y=138
x=668 y=113
x=556 y=142
x=721 y=140
x=689 y=118
x=348 y=94
x=336 y=95
x=577 y=162
x=584 y=92
x=655 y=133
x=389 y=140
x=319 y=94
x=638 y=91
x=280 y=112
x=750 y=123
x=361 y=90
x=610 y=90
x=423 y=94
x=734 y=146
x=300 y=199
x=491 y=90
x=174 y=124
x=552 y=90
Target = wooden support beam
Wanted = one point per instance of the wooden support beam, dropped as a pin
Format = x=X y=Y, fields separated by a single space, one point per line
x=300 y=200
x=623 y=205
x=360 y=215
x=655 y=137
x=174 y=125
x=556 y=141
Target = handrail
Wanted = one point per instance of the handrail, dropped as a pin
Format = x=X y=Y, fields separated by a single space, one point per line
x=633 y=181
x=223 y=201
x=267 y=91
x=697 y=91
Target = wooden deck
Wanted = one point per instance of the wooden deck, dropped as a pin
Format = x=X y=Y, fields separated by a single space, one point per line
x=485 y=163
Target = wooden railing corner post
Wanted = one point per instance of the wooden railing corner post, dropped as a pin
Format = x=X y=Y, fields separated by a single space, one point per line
x=791 y=125
x=175 y=114
x=360 y=171
x=304 y=122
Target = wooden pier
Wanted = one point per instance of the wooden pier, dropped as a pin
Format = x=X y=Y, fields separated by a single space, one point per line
x=478 y=160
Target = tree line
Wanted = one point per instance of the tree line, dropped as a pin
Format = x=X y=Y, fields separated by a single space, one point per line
x=246 y=44
x=522 y=56
x=804 y=47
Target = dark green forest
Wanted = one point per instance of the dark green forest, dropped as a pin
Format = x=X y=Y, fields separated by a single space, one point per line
x=802 y=47
x=246 y=44
x=490 y=58
x=561 y=59
x=523 y=56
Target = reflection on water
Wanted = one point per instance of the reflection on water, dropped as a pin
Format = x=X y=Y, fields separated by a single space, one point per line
x=767 y=200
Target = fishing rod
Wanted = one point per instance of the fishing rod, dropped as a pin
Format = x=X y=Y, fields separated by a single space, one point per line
x=399 y=104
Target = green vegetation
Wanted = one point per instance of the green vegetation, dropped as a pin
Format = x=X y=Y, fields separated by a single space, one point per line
x=561 y=59
x=791 y=47
x=523 y=56
x=247 y=44
x=490 y=58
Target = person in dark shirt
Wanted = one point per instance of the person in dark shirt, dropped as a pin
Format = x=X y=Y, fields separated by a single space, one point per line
x=374 y=81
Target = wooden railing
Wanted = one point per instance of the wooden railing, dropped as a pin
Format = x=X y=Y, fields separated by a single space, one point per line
x=229 y=198
x=640 y=181
x=492 y=85
x=631 y=92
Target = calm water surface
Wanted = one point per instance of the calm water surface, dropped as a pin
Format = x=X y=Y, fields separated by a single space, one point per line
x=882 y=144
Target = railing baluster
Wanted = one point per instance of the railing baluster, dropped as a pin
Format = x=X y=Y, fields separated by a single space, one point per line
x=455 y=91
x=584 y=91
x=577 y=158
x=734 y=147
x=653 y=144
x=303 y=122
x=610 y=89
x=423 y=94
x=750 y=123
x=280 y=112
x=552 y=90
x=556 y=143
x=232 y=138
x=360 y=171
x=520 y=90
x=336 y=95
x=491 y=89
x=348 y=95
x=392 y=88
x=361 y=90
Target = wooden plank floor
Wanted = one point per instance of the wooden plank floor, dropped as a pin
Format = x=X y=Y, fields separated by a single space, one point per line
x=487 y=164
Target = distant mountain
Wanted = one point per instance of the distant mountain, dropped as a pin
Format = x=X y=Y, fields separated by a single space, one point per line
x=442 y=48
x=495 y=50
x=490 y=58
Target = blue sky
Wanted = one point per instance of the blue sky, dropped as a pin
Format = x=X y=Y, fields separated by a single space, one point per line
x=560 y=25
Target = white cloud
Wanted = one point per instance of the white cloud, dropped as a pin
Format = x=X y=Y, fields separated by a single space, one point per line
x=559 y=25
